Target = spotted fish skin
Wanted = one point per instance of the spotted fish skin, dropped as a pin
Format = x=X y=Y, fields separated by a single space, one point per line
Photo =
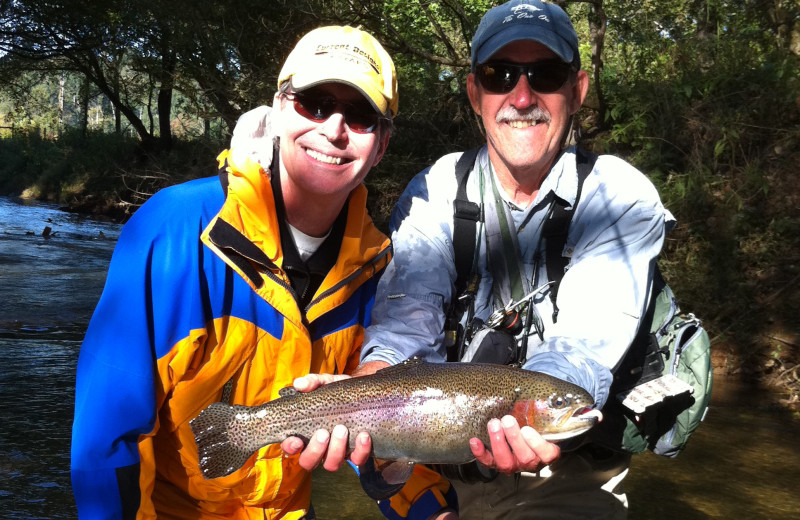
x=415 y=411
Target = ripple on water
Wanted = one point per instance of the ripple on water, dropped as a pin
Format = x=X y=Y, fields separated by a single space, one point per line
x=37 y=384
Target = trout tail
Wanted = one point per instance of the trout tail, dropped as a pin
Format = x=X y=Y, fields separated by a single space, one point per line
x=219 y=455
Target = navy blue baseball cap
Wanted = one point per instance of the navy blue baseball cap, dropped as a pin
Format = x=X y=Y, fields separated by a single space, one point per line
x=532 y=20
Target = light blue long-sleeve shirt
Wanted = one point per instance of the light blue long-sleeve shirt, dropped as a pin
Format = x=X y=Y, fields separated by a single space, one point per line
x=615 y=236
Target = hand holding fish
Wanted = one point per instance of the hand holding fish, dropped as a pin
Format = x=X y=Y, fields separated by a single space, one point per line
x=514 y=449
x=328 y=448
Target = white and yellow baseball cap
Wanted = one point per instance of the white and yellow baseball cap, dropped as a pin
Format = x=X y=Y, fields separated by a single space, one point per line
x=342 y=54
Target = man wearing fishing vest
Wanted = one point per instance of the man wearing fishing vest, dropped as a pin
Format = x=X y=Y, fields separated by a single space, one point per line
x=526 y=85
x=228 y=288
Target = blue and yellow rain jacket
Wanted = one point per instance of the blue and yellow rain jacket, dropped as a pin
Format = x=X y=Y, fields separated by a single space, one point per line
x=195 y=297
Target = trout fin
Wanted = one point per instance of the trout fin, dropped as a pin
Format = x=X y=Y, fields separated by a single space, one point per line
x=287 y=391
x=403 y=366
x=381 y=480
x=218 y=455
x=398 y=472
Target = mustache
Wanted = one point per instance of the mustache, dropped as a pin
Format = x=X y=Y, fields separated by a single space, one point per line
x=533 y=113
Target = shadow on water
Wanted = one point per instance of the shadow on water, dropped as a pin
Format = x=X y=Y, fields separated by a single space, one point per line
x=743 y=462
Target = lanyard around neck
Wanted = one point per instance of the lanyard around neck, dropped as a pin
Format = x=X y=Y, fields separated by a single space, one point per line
x=505 y=259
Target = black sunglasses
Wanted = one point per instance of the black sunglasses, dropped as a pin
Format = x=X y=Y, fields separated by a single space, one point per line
x=318 y=106
x=500 y=77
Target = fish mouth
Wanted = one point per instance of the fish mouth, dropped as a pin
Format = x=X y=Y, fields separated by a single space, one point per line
x=572 y=422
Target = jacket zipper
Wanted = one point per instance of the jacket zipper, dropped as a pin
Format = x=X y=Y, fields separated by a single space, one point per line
x=347 y=280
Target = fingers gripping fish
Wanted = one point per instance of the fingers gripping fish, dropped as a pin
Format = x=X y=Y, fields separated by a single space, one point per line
x=414 y=412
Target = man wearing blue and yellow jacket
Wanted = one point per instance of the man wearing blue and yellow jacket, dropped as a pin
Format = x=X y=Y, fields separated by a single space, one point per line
x=229 y=288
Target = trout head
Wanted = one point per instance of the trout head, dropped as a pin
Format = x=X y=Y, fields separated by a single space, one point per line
x=558 y=416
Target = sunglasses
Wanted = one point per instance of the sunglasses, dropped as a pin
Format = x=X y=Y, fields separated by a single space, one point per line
x=318 y=106
x=546 y=76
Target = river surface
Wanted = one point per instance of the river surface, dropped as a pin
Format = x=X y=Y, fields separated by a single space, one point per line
x=743 y=462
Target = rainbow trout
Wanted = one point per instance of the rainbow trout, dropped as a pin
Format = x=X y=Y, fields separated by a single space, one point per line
x=414 y=412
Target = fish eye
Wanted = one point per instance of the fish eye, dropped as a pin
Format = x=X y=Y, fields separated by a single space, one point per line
x=559 y=401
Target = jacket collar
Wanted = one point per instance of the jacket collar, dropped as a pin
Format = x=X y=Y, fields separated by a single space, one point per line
x=246 y=235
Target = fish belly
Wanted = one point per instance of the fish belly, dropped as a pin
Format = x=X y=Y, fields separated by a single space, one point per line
x=429 y=431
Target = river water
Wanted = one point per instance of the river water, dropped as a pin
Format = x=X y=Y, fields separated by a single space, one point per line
x=743 y=462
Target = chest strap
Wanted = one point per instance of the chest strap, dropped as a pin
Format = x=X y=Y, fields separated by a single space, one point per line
x=556 y=227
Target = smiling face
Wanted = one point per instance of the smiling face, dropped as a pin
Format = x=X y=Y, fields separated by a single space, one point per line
x=324 y=161
x=524 y=128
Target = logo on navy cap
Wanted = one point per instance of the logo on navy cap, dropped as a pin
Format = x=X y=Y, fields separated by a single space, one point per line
x=525 y=11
